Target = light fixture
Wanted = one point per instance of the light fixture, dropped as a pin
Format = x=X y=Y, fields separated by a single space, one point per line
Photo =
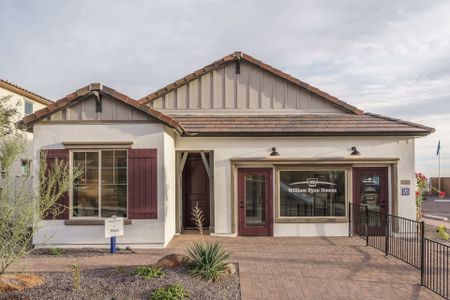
x=274 y=152
x=355 y=151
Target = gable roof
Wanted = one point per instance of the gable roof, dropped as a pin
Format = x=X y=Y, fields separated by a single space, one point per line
x=90 y=90
x=240 y=56
x=24 y=92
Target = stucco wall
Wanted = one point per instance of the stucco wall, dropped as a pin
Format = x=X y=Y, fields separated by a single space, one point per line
x=141 y=233
x=297 y=147
x=169 y=185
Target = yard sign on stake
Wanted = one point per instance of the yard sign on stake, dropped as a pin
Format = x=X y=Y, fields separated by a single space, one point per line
x=113 y=228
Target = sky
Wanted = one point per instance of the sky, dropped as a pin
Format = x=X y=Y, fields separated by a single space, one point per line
x=387 y=57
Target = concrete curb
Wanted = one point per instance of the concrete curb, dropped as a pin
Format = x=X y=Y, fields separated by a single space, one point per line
x=434 y=217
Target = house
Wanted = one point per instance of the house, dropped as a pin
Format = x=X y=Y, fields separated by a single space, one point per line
x=26 y=103
x=260 y=152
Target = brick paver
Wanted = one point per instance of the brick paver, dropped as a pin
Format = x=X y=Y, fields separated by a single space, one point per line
x=287 y=268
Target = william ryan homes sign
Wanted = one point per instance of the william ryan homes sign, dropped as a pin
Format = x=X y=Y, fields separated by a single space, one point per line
x=311 y=186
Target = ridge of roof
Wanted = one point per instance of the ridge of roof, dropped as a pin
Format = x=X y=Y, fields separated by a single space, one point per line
x=238 y=55
x=98 y=87
x=24 y=92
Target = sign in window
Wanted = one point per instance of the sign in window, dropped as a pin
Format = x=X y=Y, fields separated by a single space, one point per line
x=312 y=193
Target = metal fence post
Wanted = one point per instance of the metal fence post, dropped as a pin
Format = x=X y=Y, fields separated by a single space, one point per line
x=422 y=252
x=349 y=219
x=386 y=236
x=367 y=225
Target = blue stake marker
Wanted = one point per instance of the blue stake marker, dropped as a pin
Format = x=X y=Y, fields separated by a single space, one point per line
x=113 y=245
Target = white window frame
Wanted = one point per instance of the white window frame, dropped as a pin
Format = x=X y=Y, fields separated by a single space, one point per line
x=99 y=151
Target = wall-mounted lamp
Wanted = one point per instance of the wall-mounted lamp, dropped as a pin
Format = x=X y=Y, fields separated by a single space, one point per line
x=355 y=151
x=274 y=152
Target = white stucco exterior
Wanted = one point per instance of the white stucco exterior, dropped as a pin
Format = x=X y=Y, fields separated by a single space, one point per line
x=141 y=233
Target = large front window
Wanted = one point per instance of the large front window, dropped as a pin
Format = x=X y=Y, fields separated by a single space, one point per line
x=308 y=193
x=102 y=190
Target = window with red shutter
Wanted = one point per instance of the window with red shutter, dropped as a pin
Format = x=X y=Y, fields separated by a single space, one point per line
x=142 y=184
x=51 y=155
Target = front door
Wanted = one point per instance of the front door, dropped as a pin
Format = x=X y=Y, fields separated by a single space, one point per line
x=195 y=190
x=255 y=201
x=370 y=188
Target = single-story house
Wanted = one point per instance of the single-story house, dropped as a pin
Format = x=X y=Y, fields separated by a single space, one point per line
x=259 y=151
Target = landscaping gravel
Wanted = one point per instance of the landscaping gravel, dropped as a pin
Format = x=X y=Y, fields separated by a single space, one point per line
x=117 y=283
x=77 y=252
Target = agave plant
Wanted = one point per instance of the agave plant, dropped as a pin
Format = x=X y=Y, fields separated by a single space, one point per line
x=208 y=260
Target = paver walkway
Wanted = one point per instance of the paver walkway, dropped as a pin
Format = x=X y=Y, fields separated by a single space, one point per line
x=287 y=268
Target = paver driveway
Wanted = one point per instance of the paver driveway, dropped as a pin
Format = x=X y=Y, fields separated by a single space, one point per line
x=289 y=268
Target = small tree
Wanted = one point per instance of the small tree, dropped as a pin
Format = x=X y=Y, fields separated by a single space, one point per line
x=421 y=184
x=21 y=208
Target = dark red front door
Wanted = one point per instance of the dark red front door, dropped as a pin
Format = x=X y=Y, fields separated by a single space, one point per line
x=255 y=202
x=195 y=189
x=370 y=188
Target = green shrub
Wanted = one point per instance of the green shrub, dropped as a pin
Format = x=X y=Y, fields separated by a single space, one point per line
x=148 y=272
x=171 y=292
x=57 y=251
x=208 y=260
x=442 y=232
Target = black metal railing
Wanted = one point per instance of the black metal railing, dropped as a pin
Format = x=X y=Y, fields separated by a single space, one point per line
x=404 y=239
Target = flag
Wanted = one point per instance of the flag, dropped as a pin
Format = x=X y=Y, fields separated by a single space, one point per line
x=438 y=148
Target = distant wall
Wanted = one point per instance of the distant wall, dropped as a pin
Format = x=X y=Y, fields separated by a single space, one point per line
x=445 y=184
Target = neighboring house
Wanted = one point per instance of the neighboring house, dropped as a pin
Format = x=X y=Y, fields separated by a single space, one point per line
x=26 y=103
x=260 y=152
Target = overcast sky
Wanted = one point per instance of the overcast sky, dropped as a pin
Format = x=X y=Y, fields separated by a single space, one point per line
x=388 y=57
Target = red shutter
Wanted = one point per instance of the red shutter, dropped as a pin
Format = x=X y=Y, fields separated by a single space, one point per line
x=60 y=154
x=142 y=184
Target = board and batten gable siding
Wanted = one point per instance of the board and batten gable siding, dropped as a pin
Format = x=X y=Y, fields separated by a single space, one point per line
x=112 y=110
x=253 y=89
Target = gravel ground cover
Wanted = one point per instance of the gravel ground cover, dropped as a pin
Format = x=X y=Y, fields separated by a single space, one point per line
x=77 y=252
x=118 y=283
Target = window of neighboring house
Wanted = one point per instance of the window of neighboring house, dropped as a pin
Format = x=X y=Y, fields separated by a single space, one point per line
x=25 y=166
x=102 y=190
x=312 y=193
x=28 y=108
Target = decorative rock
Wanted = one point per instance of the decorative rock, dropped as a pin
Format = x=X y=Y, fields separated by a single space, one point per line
x=19 y=282
x=230 y=269
x=172 y=261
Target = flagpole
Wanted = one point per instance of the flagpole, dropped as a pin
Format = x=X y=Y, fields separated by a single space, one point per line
x=439 y=171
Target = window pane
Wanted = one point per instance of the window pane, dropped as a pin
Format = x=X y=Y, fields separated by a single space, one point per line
x=28 y=108
x=85 y=191
x=255 y=200
x=114 y=200
x=114 y=180
x=312 y=193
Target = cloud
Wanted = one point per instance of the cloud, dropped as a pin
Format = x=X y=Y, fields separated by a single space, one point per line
x=388 y=57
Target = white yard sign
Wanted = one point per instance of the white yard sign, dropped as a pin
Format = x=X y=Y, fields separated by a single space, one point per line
x=113 y=227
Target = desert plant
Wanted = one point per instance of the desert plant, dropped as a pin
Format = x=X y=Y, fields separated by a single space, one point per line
x=172 y=292
x=421 y=183
x=208 y=260
x=57 y=251
x=198 y=218
x=20 y=207
x=442 y=232
x=148 y=272
x=76 y=276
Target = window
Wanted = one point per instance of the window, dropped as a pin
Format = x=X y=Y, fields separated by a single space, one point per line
x=312 y=193
x=28 y=108
x=25 y=166
x=102 y=191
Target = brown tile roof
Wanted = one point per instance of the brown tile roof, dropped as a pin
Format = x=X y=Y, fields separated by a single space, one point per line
x=299 y=125
x=24 y=92
x=84 y=91
x=245 y=57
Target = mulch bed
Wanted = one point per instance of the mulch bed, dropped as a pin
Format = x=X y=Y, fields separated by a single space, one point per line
x=77 y=252
x=118 y=283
